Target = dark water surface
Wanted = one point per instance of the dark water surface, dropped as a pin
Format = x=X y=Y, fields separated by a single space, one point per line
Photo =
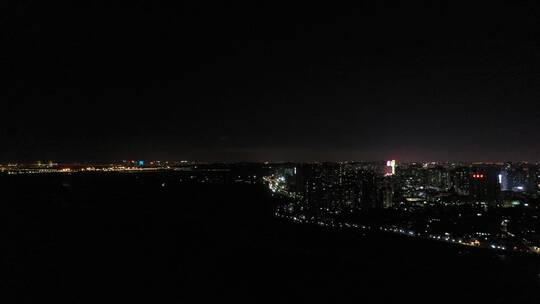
x=87 y=238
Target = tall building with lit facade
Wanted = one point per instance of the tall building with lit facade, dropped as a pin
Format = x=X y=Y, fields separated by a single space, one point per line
x=337 y=186
x=438 y=178
x=520 y=177
x=461 y=177
x=387 y=192
x=484 y=183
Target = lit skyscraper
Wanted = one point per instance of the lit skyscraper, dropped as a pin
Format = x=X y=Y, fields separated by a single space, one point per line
x=390 y=167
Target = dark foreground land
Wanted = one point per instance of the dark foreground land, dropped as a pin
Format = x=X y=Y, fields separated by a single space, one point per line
x=89 y=238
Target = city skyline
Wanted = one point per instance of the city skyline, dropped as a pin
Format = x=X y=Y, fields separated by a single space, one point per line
x=136 y=161
x=171 y=151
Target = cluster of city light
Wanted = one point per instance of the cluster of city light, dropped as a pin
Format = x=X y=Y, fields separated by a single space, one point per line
x=398 y=230
x=446 y=237
x=497 y=247
x=321 y=222
x=449 y=239
x=15 y=171
x=276 y=183
x=38 y=171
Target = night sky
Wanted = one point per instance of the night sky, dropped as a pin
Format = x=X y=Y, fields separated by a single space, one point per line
x=276 y=81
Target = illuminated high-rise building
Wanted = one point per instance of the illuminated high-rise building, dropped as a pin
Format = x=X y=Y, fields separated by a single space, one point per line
x=460 y=178
x=337 y=186
x=387 y=192
x=390 y=167
x=484 y=184
x=503 y=180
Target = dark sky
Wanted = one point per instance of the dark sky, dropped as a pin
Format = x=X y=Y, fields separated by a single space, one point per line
x=275 y=81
